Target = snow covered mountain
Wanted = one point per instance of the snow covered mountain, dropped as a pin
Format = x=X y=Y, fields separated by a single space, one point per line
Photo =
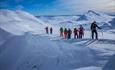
x=18 y=22
x=25 y=46
x=97 y=16
x=101 y=18
x=61 y=20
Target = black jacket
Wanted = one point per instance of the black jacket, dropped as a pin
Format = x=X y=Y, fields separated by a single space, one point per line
x=94 y=26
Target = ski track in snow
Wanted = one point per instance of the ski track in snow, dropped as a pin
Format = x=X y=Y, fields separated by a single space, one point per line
x=102 y=49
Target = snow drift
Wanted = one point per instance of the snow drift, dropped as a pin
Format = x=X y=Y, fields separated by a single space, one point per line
x=18 y=22
x=29 y=52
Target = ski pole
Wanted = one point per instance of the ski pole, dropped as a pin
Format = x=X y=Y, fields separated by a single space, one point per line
x=102 y=34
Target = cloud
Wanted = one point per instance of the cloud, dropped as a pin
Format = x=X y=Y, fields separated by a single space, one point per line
x=84 y=5
x=108 y=6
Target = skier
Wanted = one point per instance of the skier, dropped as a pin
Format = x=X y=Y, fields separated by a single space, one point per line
x=51 y=30
x=75 y=33
x=65 y=33
x=69 y=33
x=46 y=30
x=61 y=32
x=94 y=30
x=81 y=31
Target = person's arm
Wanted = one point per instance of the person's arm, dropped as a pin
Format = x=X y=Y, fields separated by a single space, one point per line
x=98 y=27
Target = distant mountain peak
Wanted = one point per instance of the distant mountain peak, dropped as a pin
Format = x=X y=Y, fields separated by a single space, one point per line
x=95 y=15
x=91 y=11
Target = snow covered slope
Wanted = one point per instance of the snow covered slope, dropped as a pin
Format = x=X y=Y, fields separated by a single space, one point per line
x=35 y=52
x=32 y=52
x=18 y=22
x=24 y=46
x=101 y=18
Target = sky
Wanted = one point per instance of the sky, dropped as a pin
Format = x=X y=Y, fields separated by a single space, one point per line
x=59 y=7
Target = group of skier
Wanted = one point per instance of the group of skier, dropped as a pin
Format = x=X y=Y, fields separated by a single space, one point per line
x=78 y=33
x=66 y=33
x=49 y=30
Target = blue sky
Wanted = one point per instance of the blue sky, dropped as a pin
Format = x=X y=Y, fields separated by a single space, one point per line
x=59 y=7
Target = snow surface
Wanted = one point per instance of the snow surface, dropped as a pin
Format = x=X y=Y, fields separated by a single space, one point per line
x=89 y=68
x=25 y=46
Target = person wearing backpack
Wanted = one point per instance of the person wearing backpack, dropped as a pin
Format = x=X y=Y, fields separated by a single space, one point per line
x=65 y=33
x=94 y=27
x=69 y=33
x=47 y=30
x=81 y=32
x=51 y=30
x=61 y=32
x=75 y=33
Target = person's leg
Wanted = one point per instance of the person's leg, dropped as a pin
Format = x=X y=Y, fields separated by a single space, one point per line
x=96 y=34
x=64 y=35
x=77 y=36
x=74 y=36
x=81 y=36
x=92 y=34
x=51 y=32
x=47 y=32
x=70 y=36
